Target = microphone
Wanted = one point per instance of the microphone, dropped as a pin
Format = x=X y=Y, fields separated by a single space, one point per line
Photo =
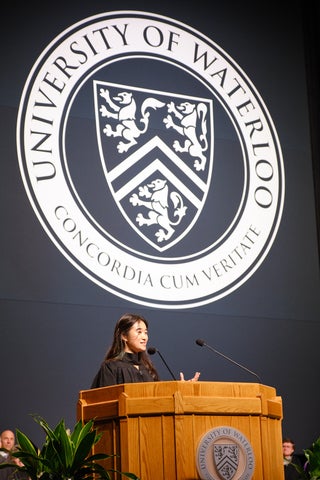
x=202 y=343
x=152 y=351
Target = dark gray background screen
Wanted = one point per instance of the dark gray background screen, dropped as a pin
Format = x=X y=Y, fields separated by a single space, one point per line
x=56 y=324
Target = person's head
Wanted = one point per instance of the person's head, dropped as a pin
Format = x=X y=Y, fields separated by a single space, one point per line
x=288 y=447
x=130 y=335
x=7 y=439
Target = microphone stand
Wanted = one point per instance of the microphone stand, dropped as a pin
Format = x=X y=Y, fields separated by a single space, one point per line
x=202 y=343
x=153 y=350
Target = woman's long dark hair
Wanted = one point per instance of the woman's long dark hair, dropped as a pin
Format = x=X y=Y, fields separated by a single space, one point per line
x=116 y=351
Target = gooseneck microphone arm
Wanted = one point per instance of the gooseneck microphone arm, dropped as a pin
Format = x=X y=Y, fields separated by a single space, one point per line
x=202 y=343
x=152 y=351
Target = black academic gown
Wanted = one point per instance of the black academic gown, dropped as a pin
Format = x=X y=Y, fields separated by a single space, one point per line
x=114 y=372
x=6 y=472
x=11 y=473
x=290 y=473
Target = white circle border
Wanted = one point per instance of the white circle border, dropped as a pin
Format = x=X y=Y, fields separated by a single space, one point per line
x=221 y=433
x=204 y=280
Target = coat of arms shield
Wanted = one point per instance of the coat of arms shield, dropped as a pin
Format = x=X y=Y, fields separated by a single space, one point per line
x=156 y=150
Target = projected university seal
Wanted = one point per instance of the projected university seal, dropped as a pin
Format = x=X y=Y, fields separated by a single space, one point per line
x=150 y=159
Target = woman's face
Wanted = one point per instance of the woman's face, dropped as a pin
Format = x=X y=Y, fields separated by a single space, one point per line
x=137 y=338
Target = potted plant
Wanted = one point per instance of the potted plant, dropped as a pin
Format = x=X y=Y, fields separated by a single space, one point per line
x=311 y=470
x=64 y=455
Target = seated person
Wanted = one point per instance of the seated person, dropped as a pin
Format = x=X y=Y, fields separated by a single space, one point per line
x=290 y=459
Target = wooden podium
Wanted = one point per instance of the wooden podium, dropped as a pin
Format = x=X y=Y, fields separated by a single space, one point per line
x=155 y=428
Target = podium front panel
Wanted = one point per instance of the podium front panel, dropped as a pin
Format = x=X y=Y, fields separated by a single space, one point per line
x=155 y=428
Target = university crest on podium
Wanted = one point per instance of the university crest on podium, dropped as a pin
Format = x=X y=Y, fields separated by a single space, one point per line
x=226 y=459
x=224 y=453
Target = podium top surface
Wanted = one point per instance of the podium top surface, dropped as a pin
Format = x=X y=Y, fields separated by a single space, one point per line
x=160 y=389
x=179 y=398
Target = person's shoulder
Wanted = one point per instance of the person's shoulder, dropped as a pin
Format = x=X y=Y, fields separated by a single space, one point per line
x=110 y=364
x=3 y=457
x=299 y=458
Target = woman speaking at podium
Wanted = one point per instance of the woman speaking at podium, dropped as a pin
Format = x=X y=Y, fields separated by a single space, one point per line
x=127 y=360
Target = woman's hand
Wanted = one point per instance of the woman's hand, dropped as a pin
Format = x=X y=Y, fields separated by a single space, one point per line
x=193 y=379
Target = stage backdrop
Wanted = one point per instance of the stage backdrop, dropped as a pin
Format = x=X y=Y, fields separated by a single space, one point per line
x=156 y=159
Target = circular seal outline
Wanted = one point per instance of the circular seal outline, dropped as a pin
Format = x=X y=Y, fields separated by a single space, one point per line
x=204 y=461
x=47 y=92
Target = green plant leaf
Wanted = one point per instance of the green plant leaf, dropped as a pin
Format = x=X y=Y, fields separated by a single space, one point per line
x=26 y=444
x=312 y=455
x=81 y=431
x=64 y=455
x=64 y=446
